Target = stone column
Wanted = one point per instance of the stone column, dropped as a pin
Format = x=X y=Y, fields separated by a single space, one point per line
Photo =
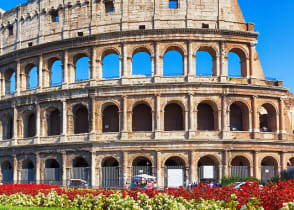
x=255 y=128
x=40 y=72
x=125 y=168
x=64 y=121
x=93 y=170
x=38 y=168
x=223 y=63
x=93 y=66
x=15 y=125
x=281 y=118
x=158 y=68
x=157 y=118
x=251 y=59
x=38 y=124
x=193 y=169
x=18 y=81
x=160 y=183
x=125 y=73
x=225 y=164
x=224 y=117
x=64 y=166
x=191 y=67
x=15 y=169
x=283 y=161
x=99 y=70
x=65 y=73
x=216 y=66
x=124 y=120
x=191 y=116
x=256 y=167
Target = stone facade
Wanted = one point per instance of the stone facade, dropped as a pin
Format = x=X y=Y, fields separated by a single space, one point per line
x=99 y=125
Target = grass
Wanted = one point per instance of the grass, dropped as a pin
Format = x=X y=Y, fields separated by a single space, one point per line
x=28 y=208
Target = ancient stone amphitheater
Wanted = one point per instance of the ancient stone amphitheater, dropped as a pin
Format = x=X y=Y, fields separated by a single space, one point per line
x=184 y=128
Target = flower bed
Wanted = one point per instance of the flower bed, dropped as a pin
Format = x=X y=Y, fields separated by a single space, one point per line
x=272 y=196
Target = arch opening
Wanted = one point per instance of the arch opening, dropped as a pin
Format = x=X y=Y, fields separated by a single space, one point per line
x=54 y=123
x=205 y=118
x=142 y=165
x=267 y=118
x=204 y=64
x=110 y=173
x=80 y=169
x=142 y=118
x=32 y=78
x=208 y=169
x=52 y=173
x=10 y=81
x=7 y=172
x=110 y=119
x=28 y=172
x=111 y=66
x=81 y=119
x=173 y=63
x=82 y=69
x=240 y=167
x=7 y=127
x=29 y=126
x=237 y=63
x=173 y=117
x=141 y=64
x=269 y=168
x=239 y=117
x=56 y=73
x=175 y=172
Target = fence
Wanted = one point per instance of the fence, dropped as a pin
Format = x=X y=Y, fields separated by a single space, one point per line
x=240 y=171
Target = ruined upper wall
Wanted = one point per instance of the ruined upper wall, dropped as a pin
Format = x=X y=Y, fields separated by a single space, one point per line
x=32 y=24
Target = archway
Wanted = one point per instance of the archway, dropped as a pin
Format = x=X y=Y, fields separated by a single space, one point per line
x=52 y=173
x=267 y=118
x=28 y=172
x=54 y=123
x=290 y=165
x=269 y=168
x=204 y=63
x=56 y=73
x=110 y=66
x=205 y=117
x=32 y=77
x=240 y=167
x=239 y=117
x=175 y=175
x=208 y=169
x=7 y=173
x=110 y=173
x=173 y=117
x=82 y=69
x=173 y=63
x=29 y=124
x=142 y=118
x=141 y=64
x=80 y=169
x=7 y=127
x=237 y=66
x=142 y=165
x=110 y=119
x=81 y=119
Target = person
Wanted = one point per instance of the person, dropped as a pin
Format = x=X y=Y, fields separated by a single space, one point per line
x=133 y=184
x=126 y=185
x=149 y=186
x=155 y=185
x=210 y=184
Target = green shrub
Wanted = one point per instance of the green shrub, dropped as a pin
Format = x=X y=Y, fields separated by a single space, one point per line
x=233 y=179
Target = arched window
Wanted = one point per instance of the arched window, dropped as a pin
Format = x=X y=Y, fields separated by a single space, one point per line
x=141 y=64
x=54 y=124
x=173 y=63
x=269 y=168
x=28 y=172
x=32 y=78
x=7 y=127
x=82 y=69
x=204 y=64
x=205 y=117
x=267 y=118
x=237 y=63
x=29 y=124
x=110 y=119
x=10 y=82
x=80 y=169
x=52 y=173
x=110 y=66
x=239 y=117
x=173 y=118
x=81 y=120
x=56 y=73
x=142 y=118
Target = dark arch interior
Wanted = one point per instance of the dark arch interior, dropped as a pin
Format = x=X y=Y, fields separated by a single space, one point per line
x=205 y=117
x=110 y=162
x=28 y=164
x=142 y=118
x=142 y=161
x=207 y=161
x=267 y=118
x=240 y=161
x=54 y=125
x=269 y=161
x=110 y=119
x=173 y=118
x=236 y=118
x=7 y=127
x=51 y=163
x=174 y=161
x=6 y=165
x=81 y=120
x=29 y=124
x=80 y=162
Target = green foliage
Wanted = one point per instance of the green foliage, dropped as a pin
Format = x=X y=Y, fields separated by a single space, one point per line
x=233 y=179
x=284 y=176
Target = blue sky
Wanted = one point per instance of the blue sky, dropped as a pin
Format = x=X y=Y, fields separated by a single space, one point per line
x=274 y=21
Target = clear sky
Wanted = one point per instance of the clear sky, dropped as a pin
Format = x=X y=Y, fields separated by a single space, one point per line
x=275 y=22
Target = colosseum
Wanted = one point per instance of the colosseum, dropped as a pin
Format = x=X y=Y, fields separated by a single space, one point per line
x=181 y=128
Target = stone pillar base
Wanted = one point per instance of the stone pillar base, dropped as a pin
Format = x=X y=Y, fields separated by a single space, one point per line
x=156 y=79
x=124 y=135
x=223 y=79
x=124 y=81
x=190 y=78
